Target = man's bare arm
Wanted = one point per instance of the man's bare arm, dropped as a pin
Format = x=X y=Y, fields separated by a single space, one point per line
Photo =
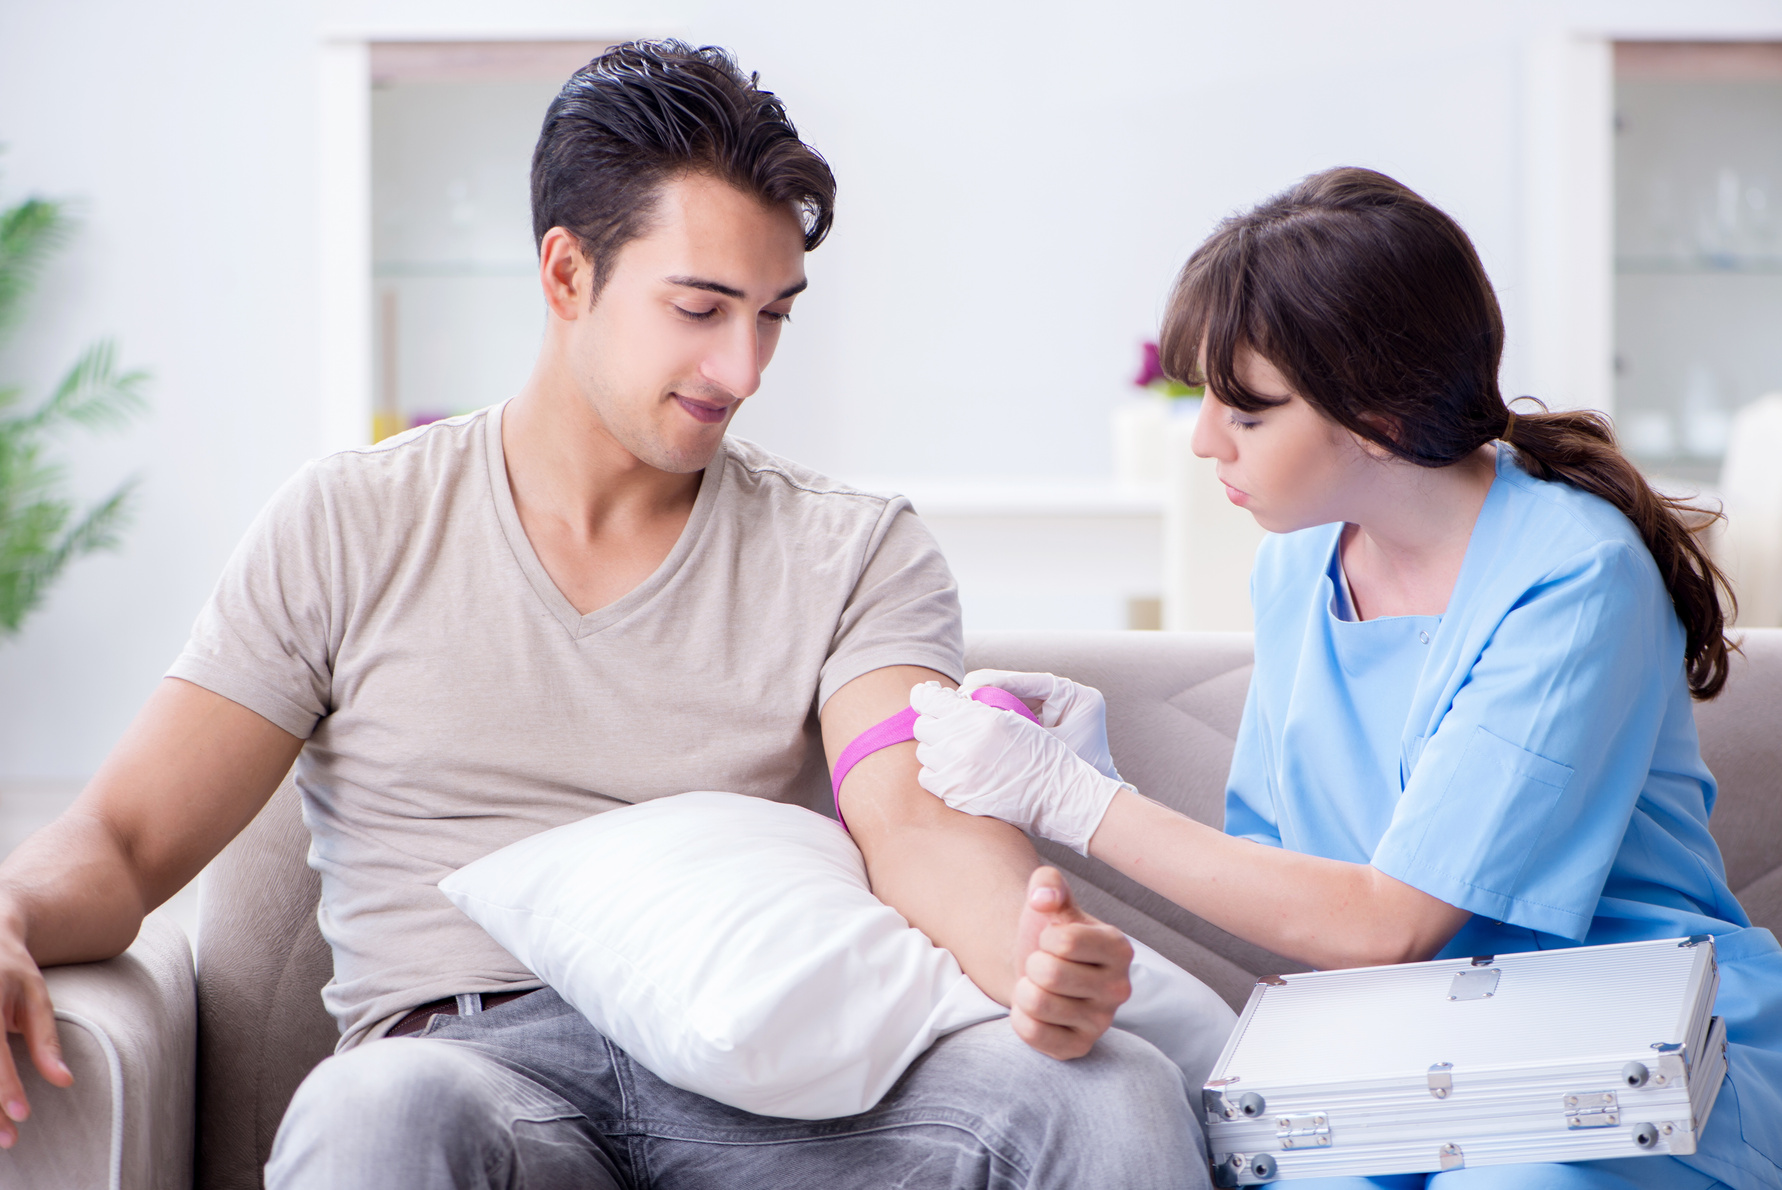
x=964 y=881
x=191 y=771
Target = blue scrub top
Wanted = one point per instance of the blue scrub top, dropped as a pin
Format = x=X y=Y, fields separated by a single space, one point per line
x=1530 y=755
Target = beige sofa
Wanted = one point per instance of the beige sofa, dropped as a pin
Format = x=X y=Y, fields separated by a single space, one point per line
x=181 y=1078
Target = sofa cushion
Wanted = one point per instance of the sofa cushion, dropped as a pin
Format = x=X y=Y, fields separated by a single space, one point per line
x=1741 y=733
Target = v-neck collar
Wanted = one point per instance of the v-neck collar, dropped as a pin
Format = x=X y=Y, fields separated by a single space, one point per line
x=1487 y=527
x=576 y=624
x=1479 y=540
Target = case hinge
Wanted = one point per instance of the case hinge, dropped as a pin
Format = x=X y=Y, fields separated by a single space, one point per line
x=1303 y=1132
x=1441 y=1079
x=1598 y=1109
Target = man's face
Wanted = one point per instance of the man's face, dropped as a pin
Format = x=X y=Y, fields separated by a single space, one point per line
x=689 y=317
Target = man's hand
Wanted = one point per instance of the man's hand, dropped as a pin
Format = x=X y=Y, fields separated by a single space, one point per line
x=25 y=1009
x=191 y=771
x=1073 y=971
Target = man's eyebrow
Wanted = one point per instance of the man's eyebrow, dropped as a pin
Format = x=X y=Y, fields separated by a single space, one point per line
x=729 y=291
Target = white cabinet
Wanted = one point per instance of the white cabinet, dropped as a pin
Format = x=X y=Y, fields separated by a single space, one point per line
x=456 y=302
x=1698 y=246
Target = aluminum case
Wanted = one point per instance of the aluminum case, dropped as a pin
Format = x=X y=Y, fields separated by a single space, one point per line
x=1558 y=1055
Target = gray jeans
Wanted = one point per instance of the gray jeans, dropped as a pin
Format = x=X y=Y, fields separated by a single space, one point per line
x=528 y=1095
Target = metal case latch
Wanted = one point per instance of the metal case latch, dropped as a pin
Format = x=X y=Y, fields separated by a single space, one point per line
x=1598 y=1109
x=1441 y=1079
x=1303 y=1132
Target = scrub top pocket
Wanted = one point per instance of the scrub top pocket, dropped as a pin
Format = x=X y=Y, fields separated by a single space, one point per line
x=1509 y=793
x=1493 y=837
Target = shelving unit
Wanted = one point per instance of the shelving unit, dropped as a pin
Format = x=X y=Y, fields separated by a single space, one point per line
x=456 y=307
x=1698 y=246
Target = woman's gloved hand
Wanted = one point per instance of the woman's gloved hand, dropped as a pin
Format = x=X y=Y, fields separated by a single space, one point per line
x=996 y=764
x=1075 y=713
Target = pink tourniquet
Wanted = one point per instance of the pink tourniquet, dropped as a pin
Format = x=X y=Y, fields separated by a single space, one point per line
x=901 y=728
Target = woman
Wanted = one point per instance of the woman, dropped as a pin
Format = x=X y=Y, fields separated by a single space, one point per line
x=1478 y=633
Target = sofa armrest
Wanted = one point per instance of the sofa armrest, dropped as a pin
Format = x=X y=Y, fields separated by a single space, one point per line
x=129 y=1029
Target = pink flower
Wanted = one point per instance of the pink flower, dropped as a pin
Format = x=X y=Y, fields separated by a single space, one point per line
x=1150 y=369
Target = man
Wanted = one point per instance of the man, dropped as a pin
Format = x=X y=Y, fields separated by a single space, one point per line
x=583 y=598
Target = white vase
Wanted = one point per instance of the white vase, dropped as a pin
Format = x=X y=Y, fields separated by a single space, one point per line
x=1209 y=543
x=1140 y=425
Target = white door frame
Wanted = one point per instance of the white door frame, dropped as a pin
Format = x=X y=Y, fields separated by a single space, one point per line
x=344 y=371
x=343 y=243
x=1568 y=229
x=1568 y=322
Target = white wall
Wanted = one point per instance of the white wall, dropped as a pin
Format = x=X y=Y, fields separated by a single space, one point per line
x=1018 y=184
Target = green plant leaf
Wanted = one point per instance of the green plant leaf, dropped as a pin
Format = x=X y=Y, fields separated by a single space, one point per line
x=102 y=526
x=41 y=530
x=29 y=233
x=34 y=547
x=36 y=541
x=30 y=530
x=93 y=393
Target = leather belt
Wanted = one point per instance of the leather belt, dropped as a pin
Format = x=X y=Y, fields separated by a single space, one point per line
x=419 y=1018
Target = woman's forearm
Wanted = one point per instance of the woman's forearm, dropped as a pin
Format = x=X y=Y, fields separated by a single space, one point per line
x=1322 y=912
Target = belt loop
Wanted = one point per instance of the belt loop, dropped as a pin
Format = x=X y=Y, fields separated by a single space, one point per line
x=470 y=1003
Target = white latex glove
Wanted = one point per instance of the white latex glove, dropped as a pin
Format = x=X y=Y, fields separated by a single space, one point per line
x=1075 y=713
x=998 y=765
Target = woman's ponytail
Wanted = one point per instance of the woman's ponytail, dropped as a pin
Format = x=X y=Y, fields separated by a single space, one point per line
x=1579 y=448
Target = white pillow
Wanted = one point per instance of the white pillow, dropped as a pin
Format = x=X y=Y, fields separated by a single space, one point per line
x=732 y=945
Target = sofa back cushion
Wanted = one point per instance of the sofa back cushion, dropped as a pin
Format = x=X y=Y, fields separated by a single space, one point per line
x=261 y=967
x=1174 y=701
x=1741 y=734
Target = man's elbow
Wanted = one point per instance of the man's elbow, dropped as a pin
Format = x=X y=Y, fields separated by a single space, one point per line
x=874 y=815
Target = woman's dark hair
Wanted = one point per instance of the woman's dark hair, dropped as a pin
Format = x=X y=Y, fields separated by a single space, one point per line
x=1374 y=306
x=646 y=112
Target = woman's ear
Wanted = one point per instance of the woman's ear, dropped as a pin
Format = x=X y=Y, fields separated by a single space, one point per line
x=1385 y=427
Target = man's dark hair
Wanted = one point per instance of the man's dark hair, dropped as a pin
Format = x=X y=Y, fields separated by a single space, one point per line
x=645 y=112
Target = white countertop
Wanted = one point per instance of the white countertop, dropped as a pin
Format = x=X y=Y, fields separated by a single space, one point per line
x=1017 y=496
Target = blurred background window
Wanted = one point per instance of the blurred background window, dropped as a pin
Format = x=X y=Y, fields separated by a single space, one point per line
x=1698 y=246
x=457 y=305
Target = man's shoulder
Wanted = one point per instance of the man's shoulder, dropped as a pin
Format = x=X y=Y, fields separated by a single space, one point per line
x=419 y=457
x=781 y=487
x=365 y=494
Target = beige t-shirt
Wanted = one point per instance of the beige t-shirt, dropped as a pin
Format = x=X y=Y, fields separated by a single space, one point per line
x=388 y=608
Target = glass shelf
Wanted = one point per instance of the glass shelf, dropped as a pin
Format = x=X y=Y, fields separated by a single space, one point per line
x=1698 y=255
x=451 y=269
x=1698 y=266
